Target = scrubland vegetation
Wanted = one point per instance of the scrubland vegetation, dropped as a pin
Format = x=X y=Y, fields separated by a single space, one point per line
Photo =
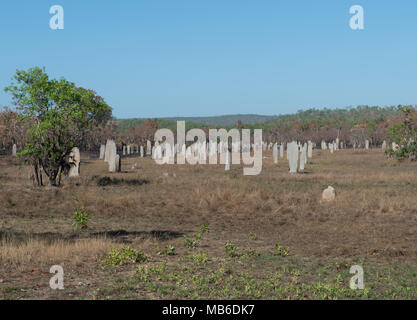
x=207 y=233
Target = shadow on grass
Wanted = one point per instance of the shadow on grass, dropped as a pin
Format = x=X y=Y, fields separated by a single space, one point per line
x=107 y=181
x=118 y=235
x=156 y=234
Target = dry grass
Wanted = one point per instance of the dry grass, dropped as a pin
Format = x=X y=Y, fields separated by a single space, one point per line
x=374 y=215
x=40 y=252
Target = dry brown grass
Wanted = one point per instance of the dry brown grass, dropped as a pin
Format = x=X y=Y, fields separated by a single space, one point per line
x=374 y=214
x=19 y=255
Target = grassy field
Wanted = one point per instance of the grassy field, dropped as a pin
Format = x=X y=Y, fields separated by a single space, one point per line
x=208 y=234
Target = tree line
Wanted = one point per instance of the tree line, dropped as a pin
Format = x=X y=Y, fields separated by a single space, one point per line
x=51 y=116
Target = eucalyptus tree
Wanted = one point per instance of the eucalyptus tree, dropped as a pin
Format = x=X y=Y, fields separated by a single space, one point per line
x=58 y=114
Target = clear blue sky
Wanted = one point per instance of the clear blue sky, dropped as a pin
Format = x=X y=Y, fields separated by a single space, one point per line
x=159 y=58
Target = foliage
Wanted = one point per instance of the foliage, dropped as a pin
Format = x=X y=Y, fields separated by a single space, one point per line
x=203 y=229
x=170 y=250
x=145 y=273
x=404 y=134
x=123 y=256
x=10 y=130
x=199 y=257
x=197 y=122
x=80 y=217
x=191 y=242
x=281 y=251
x=147 y=130
x=352 y=125
x=231 y=249
x=195 y=241
x=58 y=114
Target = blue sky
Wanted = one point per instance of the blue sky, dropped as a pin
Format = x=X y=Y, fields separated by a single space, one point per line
x=160 y=58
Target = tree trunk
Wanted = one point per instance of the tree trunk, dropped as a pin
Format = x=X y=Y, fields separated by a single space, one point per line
x=59 y=175
x=40 y=175
x=52 y=178
x=36 y=174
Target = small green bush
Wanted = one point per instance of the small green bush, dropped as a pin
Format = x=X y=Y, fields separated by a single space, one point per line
x=170 y=250
x=405 y=135
x=191 y=243
x=253 y=235
x=281 y=251
x=195 y=242
x=123 y=256
x=199 y=257
x=231 y=249
x=80 y=217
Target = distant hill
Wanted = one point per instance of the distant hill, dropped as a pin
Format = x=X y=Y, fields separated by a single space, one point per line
x=218 y=121
x=345 y=117
x=226 y=120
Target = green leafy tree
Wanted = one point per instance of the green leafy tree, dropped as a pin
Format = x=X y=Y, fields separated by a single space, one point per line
x=59 y=114
x=404 y=134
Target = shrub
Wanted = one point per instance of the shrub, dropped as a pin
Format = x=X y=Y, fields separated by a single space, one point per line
x=405 y=135
x=281 y=251
x=199 y=257
x=231 y=249
x=123 y=256
x=80 y=217
x=195 y=242
x=170 y=250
